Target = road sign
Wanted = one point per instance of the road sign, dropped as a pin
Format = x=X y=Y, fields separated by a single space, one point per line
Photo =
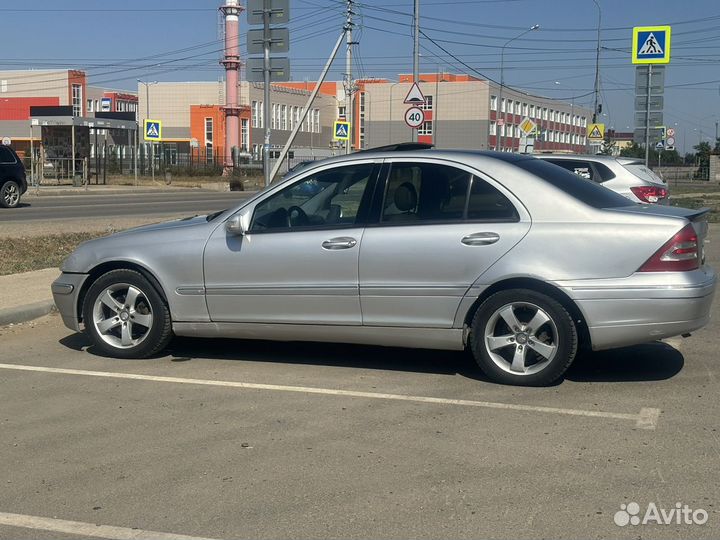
x=527 y=126
x=279 y=11
x=656 y=103
x=670 y=132
x=596 y=132
x=279 y=41
x=414 y=117
x=341 y=130
x=670 y=141
x=651 y=45
x=279 y=69
x=152 y=130
x=414 y=96
x=6 y=141
x=660 y=146
x=656 y=134
x=657 y=80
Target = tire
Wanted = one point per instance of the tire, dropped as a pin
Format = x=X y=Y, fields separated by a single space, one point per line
x=507 y=347
x=125 y=316
x=9 y=194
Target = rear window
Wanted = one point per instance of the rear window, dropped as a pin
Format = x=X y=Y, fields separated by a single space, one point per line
x=6 y=155
x=581 y=189
x=642 y=172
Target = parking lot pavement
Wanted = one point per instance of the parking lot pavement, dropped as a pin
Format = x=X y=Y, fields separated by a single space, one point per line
x=230 y=439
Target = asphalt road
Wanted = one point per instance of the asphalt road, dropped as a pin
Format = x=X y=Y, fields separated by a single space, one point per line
x=120 y=205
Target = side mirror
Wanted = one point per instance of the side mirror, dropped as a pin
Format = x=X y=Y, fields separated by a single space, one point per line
x=238 y=224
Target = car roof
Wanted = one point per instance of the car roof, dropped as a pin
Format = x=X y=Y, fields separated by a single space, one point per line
x=594 y=157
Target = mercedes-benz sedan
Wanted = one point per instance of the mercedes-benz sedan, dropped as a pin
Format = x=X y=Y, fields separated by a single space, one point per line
x=514 y=258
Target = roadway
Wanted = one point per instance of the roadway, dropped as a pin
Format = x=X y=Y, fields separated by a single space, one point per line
x=33 y=208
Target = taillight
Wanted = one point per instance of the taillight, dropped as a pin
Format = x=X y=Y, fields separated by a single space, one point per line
x=649 y=194
x=679 y=254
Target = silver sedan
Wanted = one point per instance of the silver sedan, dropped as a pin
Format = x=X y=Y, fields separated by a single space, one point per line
x=511 y=257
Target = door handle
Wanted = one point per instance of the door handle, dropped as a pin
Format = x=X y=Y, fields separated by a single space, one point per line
x=341 y=242
x=480 y=239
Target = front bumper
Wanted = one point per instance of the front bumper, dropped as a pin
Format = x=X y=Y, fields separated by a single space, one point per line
x=643 y=307
x=66 y=293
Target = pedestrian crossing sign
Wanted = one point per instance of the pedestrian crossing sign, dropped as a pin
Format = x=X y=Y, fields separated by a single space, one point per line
x=596 y=132
x=341 y=130
x=153 y=130
x=651 y=45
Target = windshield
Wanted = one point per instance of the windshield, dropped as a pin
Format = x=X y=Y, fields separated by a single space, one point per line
x=642 y=172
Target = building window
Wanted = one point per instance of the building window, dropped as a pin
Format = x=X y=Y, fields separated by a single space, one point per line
x=493 y=128
x=426 y=128
x=532 y=111
x=77 y=100
x=525 y=109
x=427 y=105
x=297 y=115
x=244 y=135
x=341 y=111
x=316 y=117
x=254 y=114
x=493 y=103
x=283 y=117
x=90 y=105
x=502 y=105
x=209 y=140
x=544 y=113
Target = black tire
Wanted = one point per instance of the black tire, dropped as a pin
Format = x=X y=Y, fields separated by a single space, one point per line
x=155 y=338
x=559 y=332
x=9 y=194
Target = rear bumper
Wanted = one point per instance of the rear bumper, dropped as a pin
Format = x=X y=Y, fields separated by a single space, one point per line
x=643 y=307
x=66 y=292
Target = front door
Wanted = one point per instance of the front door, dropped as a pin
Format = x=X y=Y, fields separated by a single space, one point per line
x=298 y=262
x=439 y=228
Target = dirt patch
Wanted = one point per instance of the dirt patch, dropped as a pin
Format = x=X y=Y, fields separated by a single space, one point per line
x=34 y=253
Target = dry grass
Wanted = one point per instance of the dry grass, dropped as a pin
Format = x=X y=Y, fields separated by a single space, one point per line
x=35 y=253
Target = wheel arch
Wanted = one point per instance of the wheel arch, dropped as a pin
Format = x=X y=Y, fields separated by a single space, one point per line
x=107 y=266
x=541 y=287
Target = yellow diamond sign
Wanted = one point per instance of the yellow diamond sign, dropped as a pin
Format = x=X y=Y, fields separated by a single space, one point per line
x=596 y=132
x=527 y=126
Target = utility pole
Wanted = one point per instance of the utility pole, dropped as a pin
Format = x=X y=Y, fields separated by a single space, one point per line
x=597 y=64
x=349 y=83
x=647 y=117
x=266 y=89
x=416 y=53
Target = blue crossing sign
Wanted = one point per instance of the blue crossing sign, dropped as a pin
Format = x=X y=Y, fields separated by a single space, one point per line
x=152 y=130
x=651 y=45
x=341 y=130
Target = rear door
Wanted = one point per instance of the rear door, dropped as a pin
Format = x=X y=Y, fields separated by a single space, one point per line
x=437 y=227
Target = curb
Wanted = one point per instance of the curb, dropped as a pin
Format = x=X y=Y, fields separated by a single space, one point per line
x=26 y=313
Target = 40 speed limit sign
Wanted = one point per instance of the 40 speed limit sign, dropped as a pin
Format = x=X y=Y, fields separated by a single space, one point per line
x=414 y=117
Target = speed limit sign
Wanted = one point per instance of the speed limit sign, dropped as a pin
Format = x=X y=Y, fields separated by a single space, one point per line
x=414 y=117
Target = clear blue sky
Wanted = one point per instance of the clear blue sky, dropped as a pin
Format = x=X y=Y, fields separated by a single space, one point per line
x=118 y=42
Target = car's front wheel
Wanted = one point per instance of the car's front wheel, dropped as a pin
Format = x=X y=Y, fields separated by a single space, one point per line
x=125 y=316
x=9 y=194
x=523 y=337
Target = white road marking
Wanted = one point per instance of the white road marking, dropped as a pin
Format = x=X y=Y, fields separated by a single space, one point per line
x=646 y=419
x=79 y=528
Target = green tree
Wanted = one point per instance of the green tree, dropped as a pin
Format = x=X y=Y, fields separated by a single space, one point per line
x=608 y=146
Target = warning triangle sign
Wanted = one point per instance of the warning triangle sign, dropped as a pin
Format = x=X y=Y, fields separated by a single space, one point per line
x=414 y=96
x=152 y=130
x=651 y=46
x=595 y=133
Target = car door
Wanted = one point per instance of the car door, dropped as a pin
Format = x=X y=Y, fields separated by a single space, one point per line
x=438 y=227
x=298 y=261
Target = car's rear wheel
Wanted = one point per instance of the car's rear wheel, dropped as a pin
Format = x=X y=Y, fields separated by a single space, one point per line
x=9 y=194
x=125 y=316
x=523 y=337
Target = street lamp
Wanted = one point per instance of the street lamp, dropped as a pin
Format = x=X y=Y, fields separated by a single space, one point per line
x=147 y=116
x=501 y=139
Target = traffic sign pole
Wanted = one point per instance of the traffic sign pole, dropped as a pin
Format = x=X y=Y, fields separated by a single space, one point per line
x=647 y=118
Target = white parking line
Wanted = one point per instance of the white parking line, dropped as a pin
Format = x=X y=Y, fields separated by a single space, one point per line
x=79 y=528
x=646 y=419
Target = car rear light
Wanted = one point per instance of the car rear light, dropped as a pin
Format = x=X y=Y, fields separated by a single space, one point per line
x=679 y=254
x=649 y=194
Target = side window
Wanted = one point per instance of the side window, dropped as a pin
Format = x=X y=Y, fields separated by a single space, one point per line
x=6 y=156
x=603 y=173
x=488 y=204
x=425 y=192
x=329 y=198
x=581 y=168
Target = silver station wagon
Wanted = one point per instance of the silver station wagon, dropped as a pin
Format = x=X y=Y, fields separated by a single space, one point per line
x=509 y=256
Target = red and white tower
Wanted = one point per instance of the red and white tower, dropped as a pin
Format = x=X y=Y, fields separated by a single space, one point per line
x=231 y=11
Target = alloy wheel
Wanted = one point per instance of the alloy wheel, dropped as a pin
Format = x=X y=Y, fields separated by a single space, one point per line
x=11 y=194
x=122 y=315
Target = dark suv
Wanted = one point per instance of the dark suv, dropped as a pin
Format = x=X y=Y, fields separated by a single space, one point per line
x=12 y=178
